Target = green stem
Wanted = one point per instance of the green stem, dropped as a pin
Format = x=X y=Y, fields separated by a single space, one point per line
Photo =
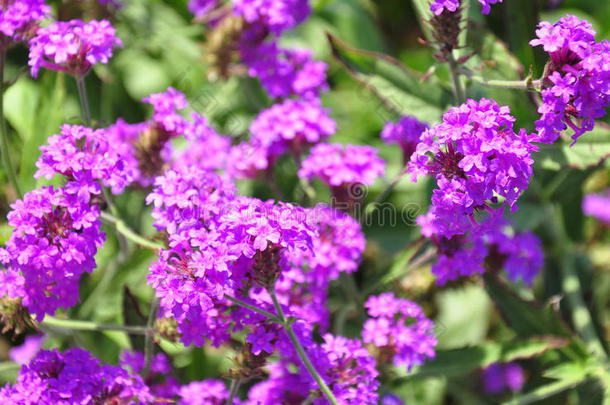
x=4 y=145
x=301 y=351
x=84 y=101
x=525 y=84
x=235 y=383
x=72 y=324
x=149 y=343
x=458 y=89
x=124 y=230
x=244 y=304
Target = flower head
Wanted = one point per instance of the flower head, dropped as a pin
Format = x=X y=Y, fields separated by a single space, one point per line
x=19 y=18
x=598 y=206
x=72 y=46
x=405 y=133
x=273 y=16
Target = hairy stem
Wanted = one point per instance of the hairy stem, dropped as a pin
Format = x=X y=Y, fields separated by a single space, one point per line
x=127 y=232
x=301 y=351
x=84 y=101
x=149 y=343
x=235 y=383
x=4 y=145
x=458 y=89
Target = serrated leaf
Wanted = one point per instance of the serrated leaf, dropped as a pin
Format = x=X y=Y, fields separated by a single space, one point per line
x=399 y=88
x=459 y=362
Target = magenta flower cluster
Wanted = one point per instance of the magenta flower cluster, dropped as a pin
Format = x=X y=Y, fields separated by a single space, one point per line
x=576 y=88
x=19 y=19
x=405 y=133
x=499 y=377
x=72 y=46
x=598 y=206
x=438 y=6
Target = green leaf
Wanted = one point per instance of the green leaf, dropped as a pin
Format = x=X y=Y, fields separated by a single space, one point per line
x=399 y=88
x=591 y=150
x=526 y=318
x=546 y=391
x=460 y=362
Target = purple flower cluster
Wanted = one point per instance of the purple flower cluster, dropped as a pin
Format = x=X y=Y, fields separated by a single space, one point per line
x=74 y=377
x=598 y=206
x=290 y=126
x=501 y=376
x=19 y=18
x=54 y=241
x=273 y=16
x=159 y=383
x=476 y=157
x=577 y=83
x=85 y=156
x=200 y=8
x=345 y=365
x=438 y=6
x=399 y=329
x=72 y=46
x=341 y=166
x=285 y=72
x=206 y=392
x=406 y=133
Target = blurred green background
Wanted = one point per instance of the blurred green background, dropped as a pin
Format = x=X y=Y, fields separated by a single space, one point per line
x=163 y=48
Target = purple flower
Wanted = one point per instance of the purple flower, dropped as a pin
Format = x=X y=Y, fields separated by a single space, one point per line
x=273 y=15
x=291 y=126
x=73 y=377
x=405 y=133
x=26 y=352
x=160 y=384
x=165 y=106
x=400 y=328
x=577 y=84
x=54 y=241
x=285 y=72
x=262 y=339
x=476 y=156
x=249 y=160
x=338 y=165
x=206 y=392
x=499 y=377
x=391 y=399
x=200 y=8
x=438 y=6
x=598 y=206
x=19 y=19
x=84 y=153
x=72 y=46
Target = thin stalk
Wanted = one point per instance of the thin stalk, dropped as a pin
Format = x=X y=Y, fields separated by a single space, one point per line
x=301 y=351
x=525 y=84
x=4 y=145
x=235 y=383
x=149 y=343
x=458 y=89
x=71 y=324
x=244 y=304
x=124 y=230
x=84 y=101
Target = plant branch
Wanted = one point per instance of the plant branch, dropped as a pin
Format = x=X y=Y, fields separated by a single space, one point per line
x=124 y=230
x=458 y=89
x=84 y=101
x=259 y=311
x=149 y=343
x=71 y=324
x=235 y=383
x=525 y=84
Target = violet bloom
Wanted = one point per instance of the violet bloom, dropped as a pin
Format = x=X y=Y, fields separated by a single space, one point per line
x=598 y=206
x=406 y=133
x=54 y=241
x=26 y=352
x=285 y=72
x=200 y=8
x=161 y=385
x=249 y=160
x=438 y=6
x=206 y=392
x=273 y=16
x=206 y=149
x=291 y=126
x=73 y=377
x=72 y=46
x=575 y=91
x=19 y=19
x=165 y=107
x=400 y=330
x=83 y=153
x=345 y=169
x=476 y=156
x=498 y=377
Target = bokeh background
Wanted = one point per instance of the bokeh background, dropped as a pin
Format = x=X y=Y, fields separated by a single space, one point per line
x=162 y=47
